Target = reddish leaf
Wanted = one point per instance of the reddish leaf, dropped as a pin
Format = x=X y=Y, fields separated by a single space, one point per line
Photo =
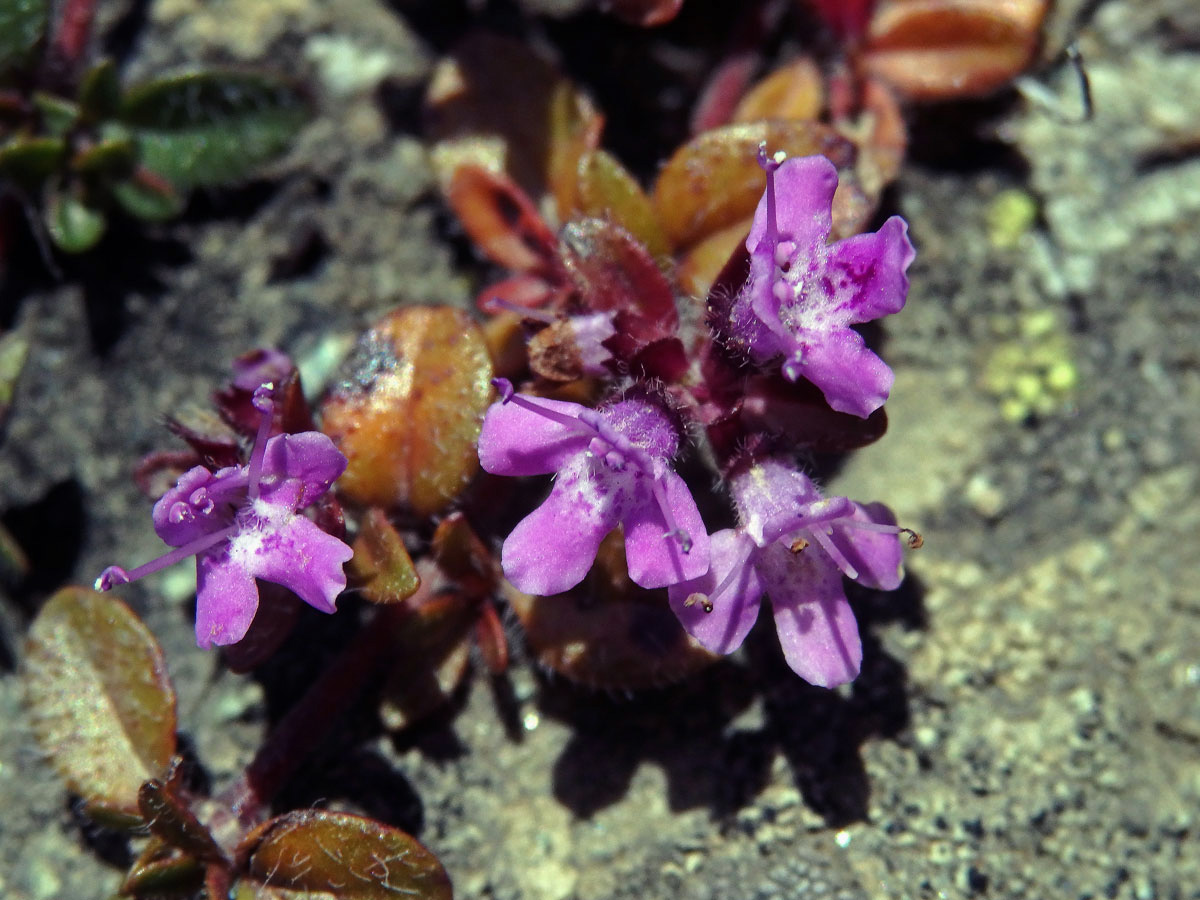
x=408 y=414
x=847 y=18
x=100 y=700
x=723 y=91
x=162 y=871
x=611 y=271
x=646 y=13
x=501 y=220
x=799 y=411
x=937 y=49
x=351 y=857
x=714 y=182
x=793 y=91
x=169 y=817
x=495 y=104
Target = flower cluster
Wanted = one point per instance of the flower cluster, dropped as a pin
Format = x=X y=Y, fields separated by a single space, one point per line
x=244 y=522
x=783 y=330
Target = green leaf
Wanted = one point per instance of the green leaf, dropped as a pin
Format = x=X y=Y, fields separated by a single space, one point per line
x=29 y=161
x=113 y=157
x=351 y=857
x=22 y=24
x=58 y=115
x=101 y=703
x=148 y=198
x=74 y=226
x=14 y=351
x=100 y=91
x=212 y=128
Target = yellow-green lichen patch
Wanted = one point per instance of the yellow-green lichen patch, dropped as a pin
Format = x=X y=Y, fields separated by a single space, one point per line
x=1030 y=371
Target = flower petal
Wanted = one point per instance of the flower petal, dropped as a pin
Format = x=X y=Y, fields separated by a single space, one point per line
x=734 y=607
x=226 y=600
x=551 y=549
x=298 y=555
x=804 y=189
x=516 y=440
x=814 y=621
x=866 y=272
x=197 y=505
x=853 y=379
x=877 y=556
x=309 y=458
x=656 y=559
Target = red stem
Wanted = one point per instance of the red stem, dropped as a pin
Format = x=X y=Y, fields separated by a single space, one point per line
x=305 y=726
x=74 y=29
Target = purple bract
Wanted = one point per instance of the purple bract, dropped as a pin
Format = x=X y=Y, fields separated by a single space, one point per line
x=613 y=468
x=794 y=546
x=244 y=522
x=803 y=293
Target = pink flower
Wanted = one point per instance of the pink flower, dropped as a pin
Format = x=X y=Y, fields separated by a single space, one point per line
x=795 y=547
x=803 y=293
x=243 y=523
x=612 y=467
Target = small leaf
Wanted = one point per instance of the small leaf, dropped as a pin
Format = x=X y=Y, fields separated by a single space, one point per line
x=14 y=351
x=169 y=817
x=501 y=219
x=73 y=225
x=112 y=157
x=611 y=271
x=160 y=871
x=714 y=181
x=212 y=128
x=148 y=197
x=102 y=706
x=408 y=414
x=58 y=115
x=30 y=161
x=608 y=191
x=351 y=857
x=645 y=12
x=100 y=91
x=22 y=24
x=793 y=91
x=381 y=565
x=938 y=49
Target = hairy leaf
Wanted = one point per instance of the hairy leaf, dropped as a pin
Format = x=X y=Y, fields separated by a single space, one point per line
x=101 y=703
x=169 y=818
x=351 y=857
x=22 y=24
x=608 y=191
x=714 y=181
x=408 y=415
x=211 y=128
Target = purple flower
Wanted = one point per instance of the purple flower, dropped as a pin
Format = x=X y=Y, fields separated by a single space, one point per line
x=243 y=523
x=794 y=546
x=803 y=293
x=612 y=468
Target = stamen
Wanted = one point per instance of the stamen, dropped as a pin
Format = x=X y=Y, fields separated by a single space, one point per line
x=798 y=545
x=736 y=571
x=115 y=575
x=265 y=405
x=822 y=538
x=705 y=603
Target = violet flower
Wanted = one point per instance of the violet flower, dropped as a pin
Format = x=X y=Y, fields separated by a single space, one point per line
x=794 y=546
x=803 y=293
x=243 y=523
x=612 y=468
